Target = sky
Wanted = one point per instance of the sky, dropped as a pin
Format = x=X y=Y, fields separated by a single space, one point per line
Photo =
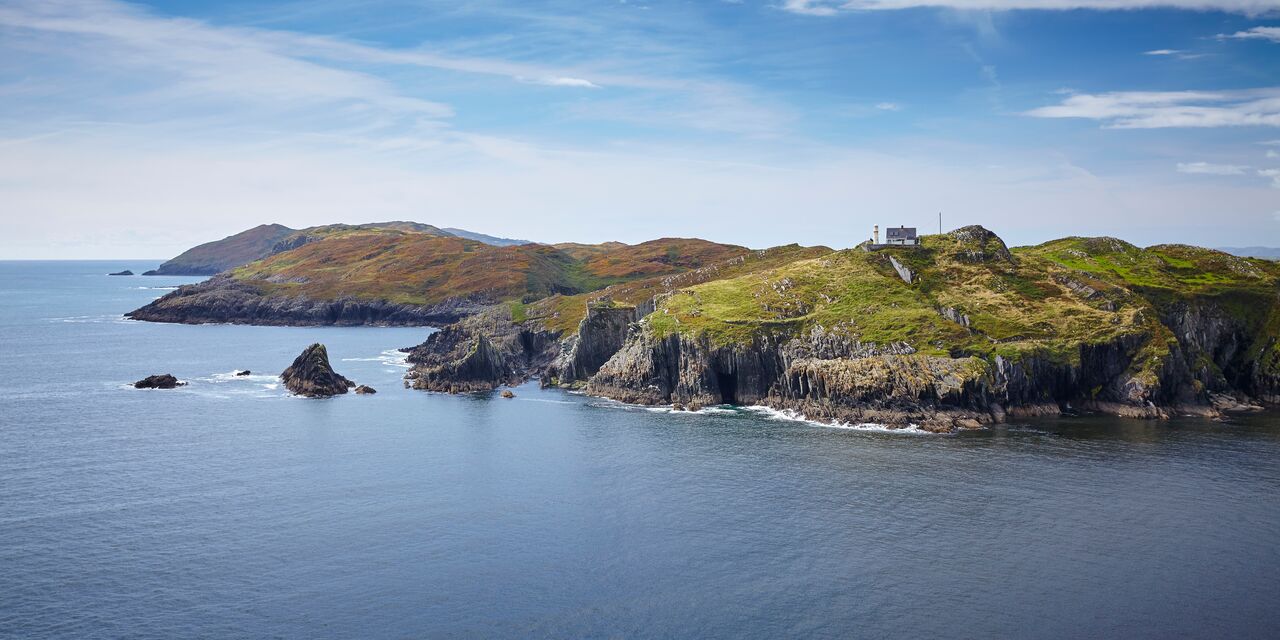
x=138 y=129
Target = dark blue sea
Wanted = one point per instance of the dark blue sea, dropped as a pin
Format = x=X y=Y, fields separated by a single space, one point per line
x=226 y=509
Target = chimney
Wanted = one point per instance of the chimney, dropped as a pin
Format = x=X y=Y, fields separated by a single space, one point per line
x=876 y=236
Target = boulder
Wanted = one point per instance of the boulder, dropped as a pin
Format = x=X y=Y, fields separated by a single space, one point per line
x=159 y=381
x=243 y=373
x=126 y=272
x=365 y=390
x=311 y=375
x=506 y=393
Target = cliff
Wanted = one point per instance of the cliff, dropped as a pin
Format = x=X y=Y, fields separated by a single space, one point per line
x=973 y=334
x=564 y=339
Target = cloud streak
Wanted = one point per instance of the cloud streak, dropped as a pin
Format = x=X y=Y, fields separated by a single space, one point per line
x=1256 y=33
x=1171 y=109
x=834 y=7
x=1211 y=169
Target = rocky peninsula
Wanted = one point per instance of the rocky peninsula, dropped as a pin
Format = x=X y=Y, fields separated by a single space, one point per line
x=957 y=332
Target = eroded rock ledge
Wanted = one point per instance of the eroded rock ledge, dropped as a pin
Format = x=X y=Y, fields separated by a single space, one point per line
x=223 y=299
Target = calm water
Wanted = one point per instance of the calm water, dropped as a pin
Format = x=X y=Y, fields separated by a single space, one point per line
x=226 y=509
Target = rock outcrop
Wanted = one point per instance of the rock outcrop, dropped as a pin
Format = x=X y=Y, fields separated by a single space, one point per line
x=159 y=381
x=599 y=335
x=126 y=272
x=223 y=299
x=311 y=375
x=365 y=390
x=480 y=353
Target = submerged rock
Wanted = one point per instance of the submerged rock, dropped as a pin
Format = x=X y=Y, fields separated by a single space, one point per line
x=126 y=272
x=243 y=373
x=365 y=390
x=159 y=381
x=311 y=375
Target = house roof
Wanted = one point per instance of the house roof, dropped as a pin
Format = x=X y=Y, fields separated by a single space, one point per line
x=900 y=232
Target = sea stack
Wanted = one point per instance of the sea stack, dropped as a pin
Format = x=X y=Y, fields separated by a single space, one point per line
x=310 y=375
x=126 y=272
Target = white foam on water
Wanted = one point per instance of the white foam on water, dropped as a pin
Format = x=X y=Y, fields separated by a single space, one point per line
x=390 y=357
x=112 y=318
x=795 y=416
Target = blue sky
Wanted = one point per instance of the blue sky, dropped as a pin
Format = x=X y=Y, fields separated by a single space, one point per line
x=141 y=128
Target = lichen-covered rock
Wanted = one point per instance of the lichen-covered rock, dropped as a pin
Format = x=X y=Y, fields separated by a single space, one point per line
x=159 y=381
x=311 y=375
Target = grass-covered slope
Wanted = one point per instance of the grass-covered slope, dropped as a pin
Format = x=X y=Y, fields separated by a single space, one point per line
x=374 y=273
x=1093 y=321
x=269 y=239
x=220 y=255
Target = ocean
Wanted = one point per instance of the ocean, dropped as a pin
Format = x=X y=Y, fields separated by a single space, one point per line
x=227 y=509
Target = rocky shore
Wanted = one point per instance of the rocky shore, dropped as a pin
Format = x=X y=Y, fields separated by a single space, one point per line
x=222 y=299
x=1198 y=355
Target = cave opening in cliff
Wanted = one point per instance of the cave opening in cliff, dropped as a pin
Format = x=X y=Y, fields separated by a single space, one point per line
x=728 y=384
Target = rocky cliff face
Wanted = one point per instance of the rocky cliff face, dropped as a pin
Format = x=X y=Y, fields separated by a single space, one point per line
x=311 y=375
x=1157 y=342
x=855 y=383
x=222 y=299
x=601 y=334
x=479 y=353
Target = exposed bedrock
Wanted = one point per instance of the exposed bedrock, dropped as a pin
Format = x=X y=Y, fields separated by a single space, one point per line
x=600 y=334
x=827 y=378
x=311 y=375
x=222 y=299
x=479 y=353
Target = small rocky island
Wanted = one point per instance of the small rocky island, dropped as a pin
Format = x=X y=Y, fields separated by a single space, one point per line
x=311 y=375
x=126 y=272
x=159 y=381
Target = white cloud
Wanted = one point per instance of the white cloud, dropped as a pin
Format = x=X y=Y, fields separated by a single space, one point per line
x=1274 y=174
x=561 y=81
x=812 y=7
x=1256 y=33
x=1162 y=52
x=1212 y=169
x=832 y=7
x=1271 y=153
x=889 y=106
x=1162 y=109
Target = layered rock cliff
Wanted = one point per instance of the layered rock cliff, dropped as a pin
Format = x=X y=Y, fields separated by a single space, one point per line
x=223 y=299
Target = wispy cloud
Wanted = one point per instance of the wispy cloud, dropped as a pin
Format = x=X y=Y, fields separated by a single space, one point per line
x=833 y=7
x=1209 y=168
x=1162 y=52
x=561 y=81
x=1256 y=33
x=889 y=106
x=1273 y=174
x=1164 y=109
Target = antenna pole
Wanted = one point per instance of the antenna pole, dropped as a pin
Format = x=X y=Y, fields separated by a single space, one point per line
x=939 y=223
